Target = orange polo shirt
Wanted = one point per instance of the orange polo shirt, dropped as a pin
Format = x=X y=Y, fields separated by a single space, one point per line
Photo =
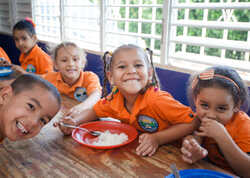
x=37 y=61
x=239 y=129
x=4 y=55
x=85 y=85
x=153 y=111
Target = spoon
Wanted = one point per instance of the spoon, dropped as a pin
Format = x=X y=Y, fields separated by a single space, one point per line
x=175 y=171
x=94 y=133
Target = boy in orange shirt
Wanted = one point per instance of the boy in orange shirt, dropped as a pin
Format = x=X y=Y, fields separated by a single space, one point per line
x=24 y=107
x=33 y=59
x=3 y=56
x=136 y=100
x=71 y=80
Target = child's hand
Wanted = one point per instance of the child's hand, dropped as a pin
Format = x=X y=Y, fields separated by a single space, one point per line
x=66 y=120
x=18 y=69
x=192 y=151
x=147 y=145
x=74 y=111
x=208 y=127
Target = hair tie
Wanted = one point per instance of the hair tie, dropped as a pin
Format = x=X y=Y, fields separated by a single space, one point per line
x=30 y=21
x=208 y=75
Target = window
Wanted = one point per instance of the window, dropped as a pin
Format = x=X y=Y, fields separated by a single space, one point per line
x=209 y=32
x=5 y=25
x=183 y=33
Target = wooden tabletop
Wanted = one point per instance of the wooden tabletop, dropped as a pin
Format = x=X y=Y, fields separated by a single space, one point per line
x=50 y=154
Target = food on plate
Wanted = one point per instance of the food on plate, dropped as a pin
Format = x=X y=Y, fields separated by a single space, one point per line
x=107 y=139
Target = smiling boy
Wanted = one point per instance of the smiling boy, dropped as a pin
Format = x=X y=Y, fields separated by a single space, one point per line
x=26 y=105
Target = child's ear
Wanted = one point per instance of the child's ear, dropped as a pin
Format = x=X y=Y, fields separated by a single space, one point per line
x=150 y=73
x=55 y=65
x=110 y=78
x=5 y=93
x=34 y=37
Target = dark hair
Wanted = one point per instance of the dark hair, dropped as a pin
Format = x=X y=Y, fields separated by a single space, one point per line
x=232 y=83
x=64 y=45
x=26 y=25
x=108 y=59
x=29 y=81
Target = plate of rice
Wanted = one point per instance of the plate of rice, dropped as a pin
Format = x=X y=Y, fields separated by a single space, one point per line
x=114 y=134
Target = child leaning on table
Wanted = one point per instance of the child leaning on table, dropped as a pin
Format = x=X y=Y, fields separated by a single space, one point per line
x=224 y=133
x=71 y=80
x=4 y=58
x=32 y=58
x=26 y=105
x=136 y=100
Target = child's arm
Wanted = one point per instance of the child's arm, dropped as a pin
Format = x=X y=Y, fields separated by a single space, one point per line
x=192 y=150
x=86 y=104
x=238 y=160
x=82 y=117
x=150 y=142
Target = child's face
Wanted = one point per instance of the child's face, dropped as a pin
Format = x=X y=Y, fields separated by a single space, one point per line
x=216 y=104
x=69 y=63
x=24 y=42
x=23 y=115
x=129 y=72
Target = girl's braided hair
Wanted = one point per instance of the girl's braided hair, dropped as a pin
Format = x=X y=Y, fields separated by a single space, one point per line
x=108 y=58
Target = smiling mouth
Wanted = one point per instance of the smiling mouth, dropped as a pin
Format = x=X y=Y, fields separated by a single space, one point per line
x=21 y=127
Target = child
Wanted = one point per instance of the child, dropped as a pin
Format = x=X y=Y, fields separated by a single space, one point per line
x=70 y=79
x=24 y=107
x=33 y=59
x=137 y=101
x=4 y=58
x=217 y=94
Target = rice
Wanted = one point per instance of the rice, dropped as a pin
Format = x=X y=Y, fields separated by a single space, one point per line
x=108 y=139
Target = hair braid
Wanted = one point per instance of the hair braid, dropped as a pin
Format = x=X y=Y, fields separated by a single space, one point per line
x=155 y=81
x=105 y=80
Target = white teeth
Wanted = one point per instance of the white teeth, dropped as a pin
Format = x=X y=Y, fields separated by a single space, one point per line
x=21 y=127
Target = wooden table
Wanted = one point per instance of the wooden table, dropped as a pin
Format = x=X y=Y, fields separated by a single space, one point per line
x=50 y=154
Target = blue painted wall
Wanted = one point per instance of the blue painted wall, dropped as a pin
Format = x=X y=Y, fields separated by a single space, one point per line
x=171 y=81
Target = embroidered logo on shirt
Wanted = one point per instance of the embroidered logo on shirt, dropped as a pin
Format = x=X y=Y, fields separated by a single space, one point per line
x=80 y=94
x=147 y=123
x=31 y=69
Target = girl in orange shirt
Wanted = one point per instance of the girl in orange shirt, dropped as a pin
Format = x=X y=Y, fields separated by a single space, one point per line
x=71 y=80
x=224 y=133
x=4 y=58
x=136 y=100
x=33 y=59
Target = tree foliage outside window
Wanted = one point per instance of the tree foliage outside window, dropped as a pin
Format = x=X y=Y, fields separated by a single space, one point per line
x=194 y=14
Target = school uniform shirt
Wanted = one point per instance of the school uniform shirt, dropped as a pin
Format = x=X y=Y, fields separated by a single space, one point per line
x=37 y=61
x=153 y=111
x=4 y=55
x=85 y=85
x=239 y=130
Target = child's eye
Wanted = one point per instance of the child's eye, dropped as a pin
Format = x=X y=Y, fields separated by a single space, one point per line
x=139 y=65
x=204 y=106
x=222 y=109
x=24 y=38
x=31 y=106
x=121 y=66
x=76 y=59
x=43 y=121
